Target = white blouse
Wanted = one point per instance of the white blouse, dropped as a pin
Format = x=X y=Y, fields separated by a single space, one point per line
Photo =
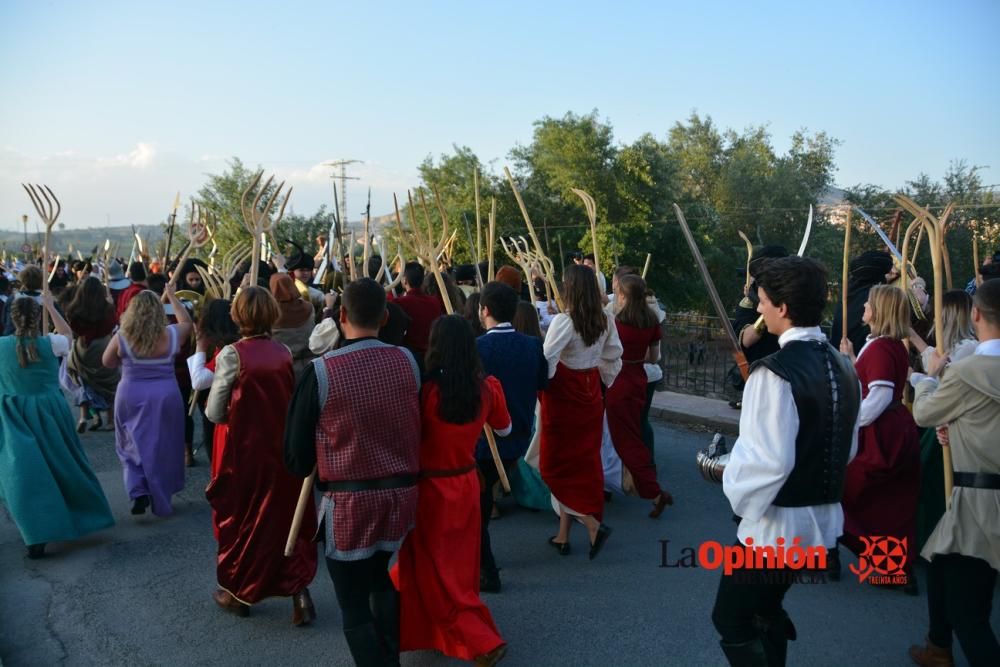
x=563 y=343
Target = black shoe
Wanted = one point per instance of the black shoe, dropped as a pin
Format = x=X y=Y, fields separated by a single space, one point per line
x=364 y=645
x=140 y=504
x=561 y=547
x=603 y=532
x=747 y=654
x=775 y=633
x=36 y=551
x=489 y=582
x=385 y=610
x=98 y=423
x=833 y=564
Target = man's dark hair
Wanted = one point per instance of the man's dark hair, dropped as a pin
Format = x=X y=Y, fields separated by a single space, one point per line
x=413 y=273
x=501 y=299
x=987 y=301
x=364 y=302
x=137 y=272
x=157 y=282
x=374 y=265
x=800 y=284
x=590 y=256
x=990 y=271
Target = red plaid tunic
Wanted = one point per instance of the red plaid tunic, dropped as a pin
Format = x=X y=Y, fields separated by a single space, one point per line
x=369 y=428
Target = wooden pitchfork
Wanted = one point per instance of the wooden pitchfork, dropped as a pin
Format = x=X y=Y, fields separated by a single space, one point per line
x=588 y=203
x=257 y=219
x=218 y=279
x=198 y=231
x=49 y=213
x=932 y=227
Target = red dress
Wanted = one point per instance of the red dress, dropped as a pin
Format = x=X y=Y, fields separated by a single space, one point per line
x=437 y=575
x=624 y=402
x=572 y=426
x=883 y=480
x=252 y=495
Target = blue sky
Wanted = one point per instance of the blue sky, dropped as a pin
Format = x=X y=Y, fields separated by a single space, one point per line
x=117 y=105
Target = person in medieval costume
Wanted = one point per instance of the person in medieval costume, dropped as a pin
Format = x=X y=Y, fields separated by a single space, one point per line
x=583 y=351
x=355 y=419
x=302 y=268
x=438 y=571
x=785 y=475
x=883 y=481
x=253 y=497
x=964 y=549
x=46 y=481
x=756 y=344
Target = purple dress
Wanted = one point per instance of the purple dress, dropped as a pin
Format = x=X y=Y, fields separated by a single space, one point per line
x=149 y=426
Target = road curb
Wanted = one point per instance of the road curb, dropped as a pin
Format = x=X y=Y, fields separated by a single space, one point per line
x=708 y=413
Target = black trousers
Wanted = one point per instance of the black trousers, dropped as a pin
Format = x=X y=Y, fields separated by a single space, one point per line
x=960 y=599
x=188 y=420
x=740 y=600
x=207 y=426
x=490 y=476
x=354 y=581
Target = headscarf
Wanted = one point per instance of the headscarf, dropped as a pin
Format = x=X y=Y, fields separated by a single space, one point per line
x=294 y=312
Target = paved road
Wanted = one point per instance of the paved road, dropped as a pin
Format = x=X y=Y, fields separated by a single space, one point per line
x=138 y=593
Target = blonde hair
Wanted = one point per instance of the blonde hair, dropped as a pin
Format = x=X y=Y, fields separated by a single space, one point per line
x=956 y=320
x=143 y=322
x=890 y=312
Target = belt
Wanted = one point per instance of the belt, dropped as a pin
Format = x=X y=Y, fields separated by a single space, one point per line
x=453 y=472
x=633 y=361
x=978 y=480
x=382 y=483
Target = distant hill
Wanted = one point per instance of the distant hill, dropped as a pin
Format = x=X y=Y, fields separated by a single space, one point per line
x=84 y=240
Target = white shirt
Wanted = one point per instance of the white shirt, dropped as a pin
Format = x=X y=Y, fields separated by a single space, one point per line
x=563 y=343
x=60 y=344
x=201 y=377
x=763 y=458
x=989 y=348
x=879 y=395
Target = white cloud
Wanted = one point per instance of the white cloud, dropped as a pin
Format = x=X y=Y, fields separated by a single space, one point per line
x=140 y=157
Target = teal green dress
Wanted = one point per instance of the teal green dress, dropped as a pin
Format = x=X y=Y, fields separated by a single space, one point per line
x=46 y=480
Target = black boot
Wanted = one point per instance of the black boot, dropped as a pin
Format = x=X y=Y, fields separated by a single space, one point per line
x=385 y=609
x=747 y=654
x=364 y=645
x=489 y=581
x=775 y=633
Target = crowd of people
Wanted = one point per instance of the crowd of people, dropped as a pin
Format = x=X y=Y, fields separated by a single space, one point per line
x=381 y=397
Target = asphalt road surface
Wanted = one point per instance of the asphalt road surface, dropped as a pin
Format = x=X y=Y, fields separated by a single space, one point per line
x=139 y=593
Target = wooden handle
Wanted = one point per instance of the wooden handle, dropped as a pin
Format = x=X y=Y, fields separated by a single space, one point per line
x=504 y=482
x=843 y=287
x=305 y=499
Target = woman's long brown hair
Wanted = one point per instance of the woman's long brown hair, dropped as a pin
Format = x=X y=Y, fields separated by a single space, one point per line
x=583 y=303
x=635 y=311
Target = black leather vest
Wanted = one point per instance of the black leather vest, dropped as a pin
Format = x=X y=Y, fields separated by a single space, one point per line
x=827 y=397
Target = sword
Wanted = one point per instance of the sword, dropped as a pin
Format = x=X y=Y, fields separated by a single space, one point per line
x=885 y=239
x=759 y=325
x=727 y=326
x=170 y=230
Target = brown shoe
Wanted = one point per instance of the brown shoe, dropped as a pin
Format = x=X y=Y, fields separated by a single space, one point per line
x=932 y=656
x=660 y=504
x=226 y=600
x=493 y=657
x=303 y=611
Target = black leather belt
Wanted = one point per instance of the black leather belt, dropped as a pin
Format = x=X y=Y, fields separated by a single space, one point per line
x=978 y=480
x=394 y=482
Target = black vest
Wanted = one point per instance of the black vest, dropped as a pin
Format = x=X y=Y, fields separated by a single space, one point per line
x=827 y=397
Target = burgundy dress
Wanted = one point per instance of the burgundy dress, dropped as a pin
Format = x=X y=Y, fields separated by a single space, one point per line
x=883 y=480
x=253 y=496
x=624 y=402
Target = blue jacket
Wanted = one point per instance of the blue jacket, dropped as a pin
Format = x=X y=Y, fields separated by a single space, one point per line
x=518 y=362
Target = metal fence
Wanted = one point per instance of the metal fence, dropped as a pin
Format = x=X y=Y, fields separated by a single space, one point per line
x=697 y=357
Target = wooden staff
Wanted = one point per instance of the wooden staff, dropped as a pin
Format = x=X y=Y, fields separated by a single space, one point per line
x=588 y=203
x=975 y=260
x=49 y=213
x=645 y=267
x=531 y=229
x=843 y=287
x=493 y=238
x=305 y=498
x=942 y=235
x=930 y=223
x=479 y=222
x=107 y=260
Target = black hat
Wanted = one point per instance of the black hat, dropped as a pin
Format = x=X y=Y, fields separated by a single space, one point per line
x=299 y=260
x=761 y=256
x=465 y=273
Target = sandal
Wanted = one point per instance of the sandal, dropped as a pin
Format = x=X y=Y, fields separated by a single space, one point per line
x=81 y=426
x=98 y=423
x=561 y=547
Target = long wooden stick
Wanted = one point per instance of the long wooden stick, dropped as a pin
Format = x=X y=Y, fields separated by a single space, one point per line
x=975 y=260
x=493 y=238
x=843 y=287
x=305 y=498
x=479 y=221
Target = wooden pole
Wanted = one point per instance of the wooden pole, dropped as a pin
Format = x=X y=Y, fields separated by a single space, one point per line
x=843 y=287
x=479 y=221
x=975 y=260
x=305 y=497
x=492 y=238
x=645 y=268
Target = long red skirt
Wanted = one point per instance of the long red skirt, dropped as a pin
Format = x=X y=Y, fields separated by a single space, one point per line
x=572 y=426
x=253 y=499
x=883 y=482
x=624 y=402
x=437 y=574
